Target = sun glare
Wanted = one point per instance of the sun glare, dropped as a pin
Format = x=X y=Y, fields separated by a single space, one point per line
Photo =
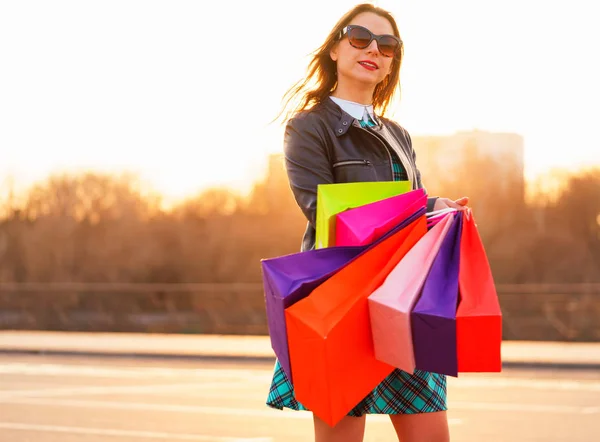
x=156 y=97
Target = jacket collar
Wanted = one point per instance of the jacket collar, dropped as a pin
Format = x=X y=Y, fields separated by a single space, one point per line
x=358 y=111
x=342 y=120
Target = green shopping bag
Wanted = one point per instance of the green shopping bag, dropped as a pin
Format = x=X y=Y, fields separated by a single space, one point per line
x=336 y=198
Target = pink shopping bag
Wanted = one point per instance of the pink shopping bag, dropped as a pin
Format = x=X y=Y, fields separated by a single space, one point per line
x=435 y=217
x=367 y=223
x=390 y=305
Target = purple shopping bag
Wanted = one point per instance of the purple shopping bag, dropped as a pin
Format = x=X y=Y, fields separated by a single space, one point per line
x=433 y=318
x=290 y=278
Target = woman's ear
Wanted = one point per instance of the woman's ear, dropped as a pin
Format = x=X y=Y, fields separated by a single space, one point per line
x=333 y=53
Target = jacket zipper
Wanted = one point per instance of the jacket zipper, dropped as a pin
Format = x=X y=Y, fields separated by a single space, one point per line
x=384 y=147
x=349 y=162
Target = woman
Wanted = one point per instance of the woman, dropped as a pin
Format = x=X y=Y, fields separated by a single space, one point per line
x=335 y=135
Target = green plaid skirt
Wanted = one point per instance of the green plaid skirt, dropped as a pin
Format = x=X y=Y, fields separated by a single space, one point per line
x=399 y=393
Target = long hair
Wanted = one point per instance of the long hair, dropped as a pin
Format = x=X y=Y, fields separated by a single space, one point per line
x=321 y=78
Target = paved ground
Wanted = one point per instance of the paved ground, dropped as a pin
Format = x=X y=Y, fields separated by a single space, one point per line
x=79 y=399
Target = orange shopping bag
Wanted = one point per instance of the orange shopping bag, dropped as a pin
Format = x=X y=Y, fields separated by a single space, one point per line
x=478 y=316
x=329 y=332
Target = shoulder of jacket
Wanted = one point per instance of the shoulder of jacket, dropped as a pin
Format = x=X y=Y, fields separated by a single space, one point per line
x=307 y=117
x=396 y=127
x=393 y=123
x=311 y=120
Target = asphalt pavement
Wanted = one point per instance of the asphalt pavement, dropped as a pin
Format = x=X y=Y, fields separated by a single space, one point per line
x=117 y=387
x=98 y=399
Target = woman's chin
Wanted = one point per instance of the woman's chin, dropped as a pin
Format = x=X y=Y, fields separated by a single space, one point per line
x=364 y=80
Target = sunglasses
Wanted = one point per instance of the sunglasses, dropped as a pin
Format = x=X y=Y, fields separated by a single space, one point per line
x=361 y=38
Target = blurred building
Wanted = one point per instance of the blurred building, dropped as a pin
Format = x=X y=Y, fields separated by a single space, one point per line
x=500 y=154
x=488 y=167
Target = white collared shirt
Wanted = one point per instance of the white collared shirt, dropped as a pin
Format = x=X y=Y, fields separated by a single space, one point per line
x=356 y=110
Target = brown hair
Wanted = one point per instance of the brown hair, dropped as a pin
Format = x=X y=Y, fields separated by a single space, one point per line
x=322 y=70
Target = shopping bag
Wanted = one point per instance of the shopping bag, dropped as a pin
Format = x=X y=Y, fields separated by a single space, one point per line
x=434 y=217
x=439 y=213
x=391 y=303
x=289 y=278
x=366 y=223
x=433 y=317
x=329 y=332
x=338 y=197
x=479 y=317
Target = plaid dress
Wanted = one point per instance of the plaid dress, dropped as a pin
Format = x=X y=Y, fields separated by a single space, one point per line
x=398 y=393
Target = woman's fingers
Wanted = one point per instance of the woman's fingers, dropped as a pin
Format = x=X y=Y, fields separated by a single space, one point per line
x=444 y=203
x=456 y=205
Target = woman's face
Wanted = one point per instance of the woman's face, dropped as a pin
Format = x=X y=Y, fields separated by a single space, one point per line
x=366 y=66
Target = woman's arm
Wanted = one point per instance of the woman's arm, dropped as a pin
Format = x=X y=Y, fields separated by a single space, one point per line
x=307 y=162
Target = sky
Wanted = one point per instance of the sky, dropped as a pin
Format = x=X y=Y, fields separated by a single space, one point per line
x=183 y=92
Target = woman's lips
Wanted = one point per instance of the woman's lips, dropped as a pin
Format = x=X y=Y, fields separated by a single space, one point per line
x=369 y=65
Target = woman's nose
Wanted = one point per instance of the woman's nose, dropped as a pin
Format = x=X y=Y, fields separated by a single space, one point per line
x=373 y=48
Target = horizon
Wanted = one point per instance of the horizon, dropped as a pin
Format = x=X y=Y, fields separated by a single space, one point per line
x=548 y=183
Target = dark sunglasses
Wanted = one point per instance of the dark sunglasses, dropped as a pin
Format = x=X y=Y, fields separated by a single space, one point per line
x=361 y=38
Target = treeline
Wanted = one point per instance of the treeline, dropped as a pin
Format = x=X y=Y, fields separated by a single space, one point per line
x=104 y=228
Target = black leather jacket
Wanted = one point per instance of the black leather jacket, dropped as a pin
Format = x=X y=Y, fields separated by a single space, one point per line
x=326 y=145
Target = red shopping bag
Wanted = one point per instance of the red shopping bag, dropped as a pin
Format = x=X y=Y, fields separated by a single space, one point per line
x=478 y=316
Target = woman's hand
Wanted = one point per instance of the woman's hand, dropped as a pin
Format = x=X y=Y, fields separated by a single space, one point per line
x=445 y=203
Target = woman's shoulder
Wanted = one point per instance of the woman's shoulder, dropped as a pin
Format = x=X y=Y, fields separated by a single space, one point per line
x=312 y=120
x=309 y=116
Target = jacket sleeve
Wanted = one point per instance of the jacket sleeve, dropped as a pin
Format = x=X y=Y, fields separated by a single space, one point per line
x=307 y=163
x=431 y=200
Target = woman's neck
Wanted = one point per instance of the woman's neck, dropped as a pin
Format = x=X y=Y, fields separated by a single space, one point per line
x=361 y=95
